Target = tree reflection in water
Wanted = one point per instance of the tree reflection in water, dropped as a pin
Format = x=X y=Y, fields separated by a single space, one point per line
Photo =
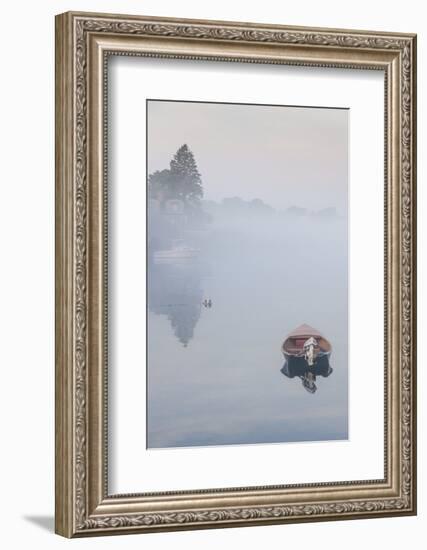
x=175 y=290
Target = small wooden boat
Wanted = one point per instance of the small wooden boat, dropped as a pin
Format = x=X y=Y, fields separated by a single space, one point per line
x=306 y=346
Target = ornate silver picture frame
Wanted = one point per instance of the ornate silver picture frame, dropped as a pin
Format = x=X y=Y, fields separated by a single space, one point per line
x=84 y=44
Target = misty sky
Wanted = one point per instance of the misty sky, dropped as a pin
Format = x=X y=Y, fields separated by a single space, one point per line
x=286 y=156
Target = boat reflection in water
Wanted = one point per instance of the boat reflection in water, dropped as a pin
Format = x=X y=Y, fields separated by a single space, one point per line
x=307 y=355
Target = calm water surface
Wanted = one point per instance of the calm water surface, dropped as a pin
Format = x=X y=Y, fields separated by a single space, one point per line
x=214 y=373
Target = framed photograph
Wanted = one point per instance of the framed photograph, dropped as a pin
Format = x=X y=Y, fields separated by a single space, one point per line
x=235 y=274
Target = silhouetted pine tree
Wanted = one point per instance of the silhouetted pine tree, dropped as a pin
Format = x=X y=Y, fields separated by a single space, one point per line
x=186 y=178
x=182 y=181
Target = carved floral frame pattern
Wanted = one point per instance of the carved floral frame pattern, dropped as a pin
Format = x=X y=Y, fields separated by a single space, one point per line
x=73 y=516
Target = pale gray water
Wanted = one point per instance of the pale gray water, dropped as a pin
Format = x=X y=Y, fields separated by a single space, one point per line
x=214 y=373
